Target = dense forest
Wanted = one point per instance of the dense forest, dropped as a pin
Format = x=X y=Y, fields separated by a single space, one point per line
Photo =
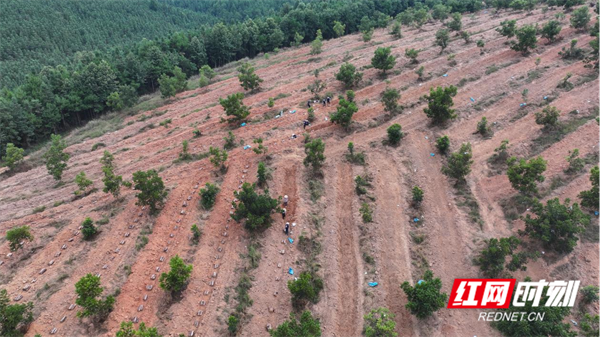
x=39 y=33
x=94 y=82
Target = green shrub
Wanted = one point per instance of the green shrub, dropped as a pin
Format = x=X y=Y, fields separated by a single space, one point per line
x=208 y=195
x=305 y=288
x=88 y=229
x=16 y=235
x=394 y=134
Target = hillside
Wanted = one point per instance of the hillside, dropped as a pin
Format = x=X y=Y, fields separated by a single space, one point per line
x=134 y=247
x=48 y=33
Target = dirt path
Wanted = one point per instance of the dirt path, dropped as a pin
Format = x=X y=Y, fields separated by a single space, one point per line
x=348 y=311
x=392 y=238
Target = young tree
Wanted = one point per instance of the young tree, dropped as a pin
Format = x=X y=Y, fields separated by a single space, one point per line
x=234 y=106
x=396 y=30
x=208 y=195
x=112 y=182
x=456 y=23
x=590 y=294
x=417 y=196
x=203 y=81
x=184 y=154
x=56 y=159
x=501 y=152
x=548 y=117
x=380 y=323
x=580 y=18
x=394 y=134
x=443 y=144
x=492 y=258
x=260 y=148
x=262 y=174
x=17 y=235
x=507 y=28
x=248 y=79
x=14 y=317
x=297 y=40
x=440 y=12
x=556 y=225
x=425 y=297
x=152 y=189
x=442 y=38
x=82 y=183
x=480 y=44
x=383 y=60
x=13 y=156
x=88 y=290
x=440 y=103
x=590 y=198
x=208 y=71
x=466 y=36
x=420 y=72
x=523 y=174
x=367 y=35
x=218 y=158
x=526 y=39
x=350 y=95
x=305 y=288
x=338 y=28
x=576 y=164
x=306 y=327
x=127 y=330
x=230 y=142
x=412 y=54
x=196 y=234
x=177 y=278
x=551 y=30
x=389 y=98
x=459 y=163
x=348 y=75
x=271 y=102
x=255 y=208
x=171 y=85
x=317 y=44
x=88 y=229
x=421 y=16
x=590 y=325
x=344 y=112
x=482 y=127
x=315 y=154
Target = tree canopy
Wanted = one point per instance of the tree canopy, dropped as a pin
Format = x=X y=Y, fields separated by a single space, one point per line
x=176 y=279
x=425 y=297
x=253 y=207
x=151 y=189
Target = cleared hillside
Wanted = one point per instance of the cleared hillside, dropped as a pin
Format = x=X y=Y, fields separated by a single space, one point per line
x=454 y=222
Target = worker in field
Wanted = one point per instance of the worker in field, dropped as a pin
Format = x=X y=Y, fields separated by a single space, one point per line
x=283 y=211
x=285 y=200
x=287 y=228
x=308 y=103
x=328 y=100
x=306 y=123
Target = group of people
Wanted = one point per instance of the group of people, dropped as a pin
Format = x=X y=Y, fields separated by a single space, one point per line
x=325 y=101
x=286 y=229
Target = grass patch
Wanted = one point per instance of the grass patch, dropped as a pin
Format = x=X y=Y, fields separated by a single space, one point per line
x=486 y=102
x=547 y=138
x=468 y=201
x=38 y=209
x=514 y=206
x=315 y=188
x=96 y=128
x=142 y=241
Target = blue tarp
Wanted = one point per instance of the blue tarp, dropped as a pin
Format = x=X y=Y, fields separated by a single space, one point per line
x=545 y=97
x=420 y=281
x=373 y=284
x=243 y=124
x=293 y=111
x=291 y=240
x=416 y=220
x=445 y=75
x=432 y=154
x=472 y=99
x=596 y=213
x=291 y=271
x=247 y=147
x=522 y=104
